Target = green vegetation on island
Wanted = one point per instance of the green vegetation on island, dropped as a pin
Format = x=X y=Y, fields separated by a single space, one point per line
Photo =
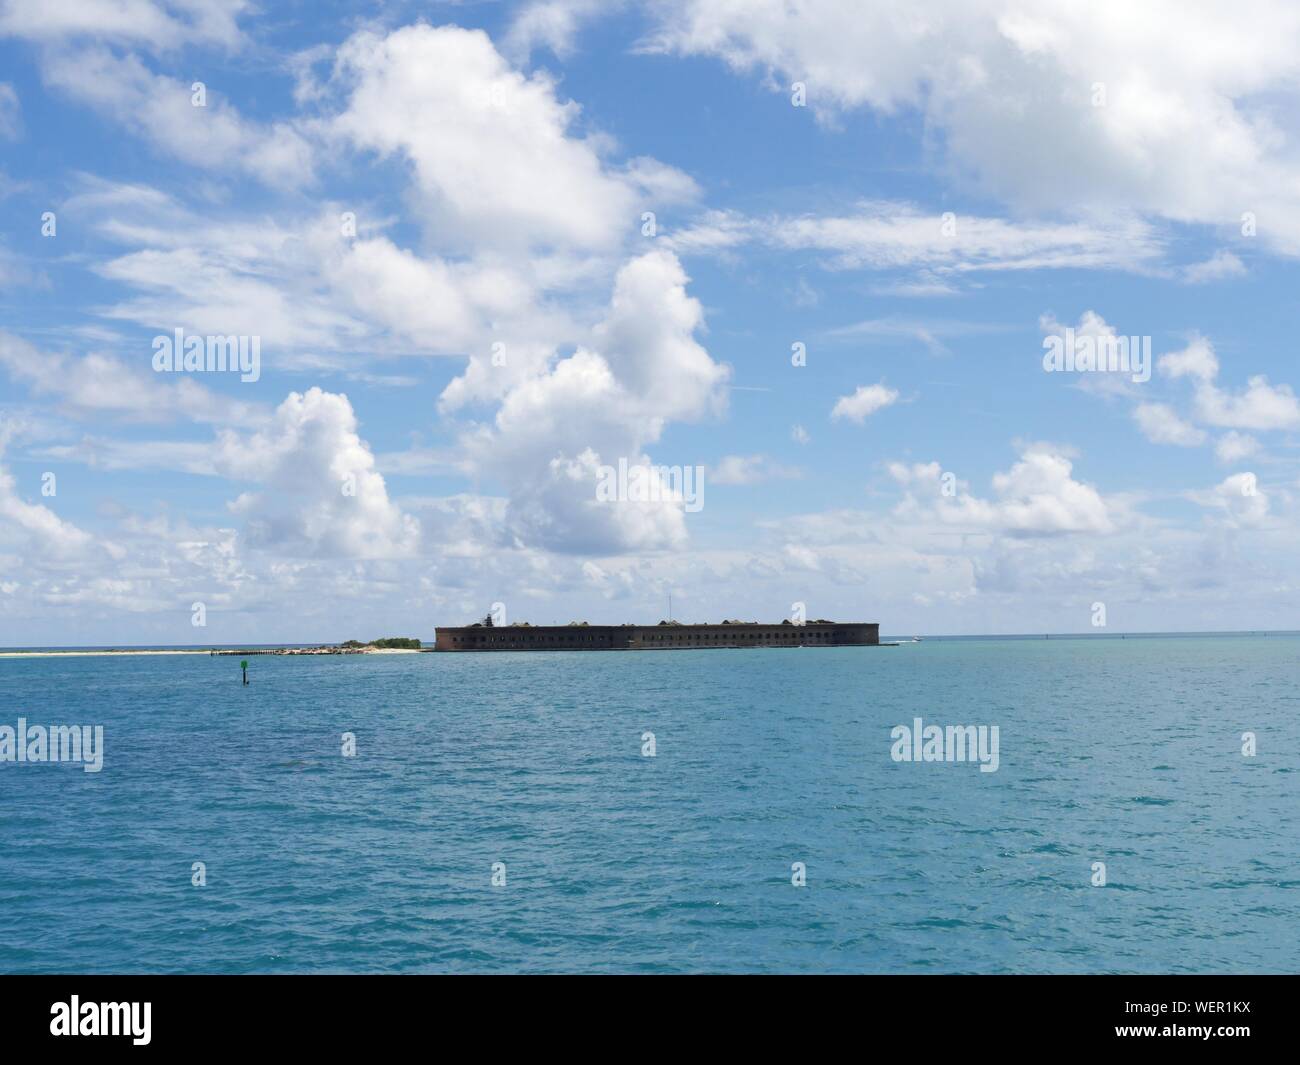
x=399 y=643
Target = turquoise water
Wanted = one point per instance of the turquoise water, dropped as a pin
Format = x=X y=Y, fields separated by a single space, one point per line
x=1127 y=752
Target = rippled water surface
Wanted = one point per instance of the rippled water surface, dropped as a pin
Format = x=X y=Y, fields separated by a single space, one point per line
x=1127 y=752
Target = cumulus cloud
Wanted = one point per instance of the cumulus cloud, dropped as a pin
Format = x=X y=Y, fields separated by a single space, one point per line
x=521 y=205
x=1218 y=267
x=320 y=493
x=1239 y=499
x=1197 y=360
x=1108 y=344
x=33 y=531
x=524 y=218
x=309 y=290
x=1122 y=113
x=495 y=154
x=507 y=266
x=1261 y=406
x=1038 y=496
x=608 y=400
x=1233 y=446
x=552 y=24
x=866 y=401
x=649 y=341
x=1161 y=424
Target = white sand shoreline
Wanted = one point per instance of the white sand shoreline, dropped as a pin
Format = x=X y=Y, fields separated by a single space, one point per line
x=225 y=651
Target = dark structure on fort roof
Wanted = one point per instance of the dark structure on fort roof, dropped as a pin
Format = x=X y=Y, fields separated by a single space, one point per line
x=666 y=636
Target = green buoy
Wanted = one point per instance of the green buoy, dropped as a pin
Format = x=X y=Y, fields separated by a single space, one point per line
x=243 y=664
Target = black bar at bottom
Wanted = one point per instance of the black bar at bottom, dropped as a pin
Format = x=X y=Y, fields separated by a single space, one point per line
x=342 y=1013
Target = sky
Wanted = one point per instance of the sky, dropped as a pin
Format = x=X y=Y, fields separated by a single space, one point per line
x=816 y=255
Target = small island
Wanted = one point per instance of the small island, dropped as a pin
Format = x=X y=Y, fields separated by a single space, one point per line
x=385 y=645
x=388 y=645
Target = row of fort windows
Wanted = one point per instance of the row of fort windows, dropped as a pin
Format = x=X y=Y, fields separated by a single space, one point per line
x=661 y=638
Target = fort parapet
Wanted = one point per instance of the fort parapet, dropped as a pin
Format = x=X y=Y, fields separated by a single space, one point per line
x=667 y=637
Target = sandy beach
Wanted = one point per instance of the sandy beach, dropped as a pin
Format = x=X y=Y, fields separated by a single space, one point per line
x=90 y=654
x=216 y=650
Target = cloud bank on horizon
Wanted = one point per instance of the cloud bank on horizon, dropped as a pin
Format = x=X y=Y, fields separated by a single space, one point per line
x=821 y=252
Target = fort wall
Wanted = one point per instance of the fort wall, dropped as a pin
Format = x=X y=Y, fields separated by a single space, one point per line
x=653 y=637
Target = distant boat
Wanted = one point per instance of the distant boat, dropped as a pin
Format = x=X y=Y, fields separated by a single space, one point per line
x=916 y=639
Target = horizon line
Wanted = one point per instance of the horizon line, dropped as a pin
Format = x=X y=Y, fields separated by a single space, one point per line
x=921 y=635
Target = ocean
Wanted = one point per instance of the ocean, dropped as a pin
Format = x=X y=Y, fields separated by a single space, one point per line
x=502 y=812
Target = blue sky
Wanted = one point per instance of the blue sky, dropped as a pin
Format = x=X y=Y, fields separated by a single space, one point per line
x=954 y=190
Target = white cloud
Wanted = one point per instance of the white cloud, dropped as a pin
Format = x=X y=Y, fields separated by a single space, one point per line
x=158 y=108
x=495 y=156
x=506 y=266
x=97 y=384
x=1161 y=424
x=1197 y=360
x=866 y=401
x=884 y=236
x=1233 y=446
x=480 y=138
x=1094 y=326
x=648 y=340
x=321 y=494
x=801 y=557
x=1038 y=496
x=1169 y=112
x=892 y=235
x=610 y=399
x=1239 y=498
x=495 y=261
x=748 y=469
x=308 y=290
x=552 y=24
x=107 y=453
x=147 y=23
x=35 y=528
x=1261 y=406
x=711 y=232
x=1219 y=266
